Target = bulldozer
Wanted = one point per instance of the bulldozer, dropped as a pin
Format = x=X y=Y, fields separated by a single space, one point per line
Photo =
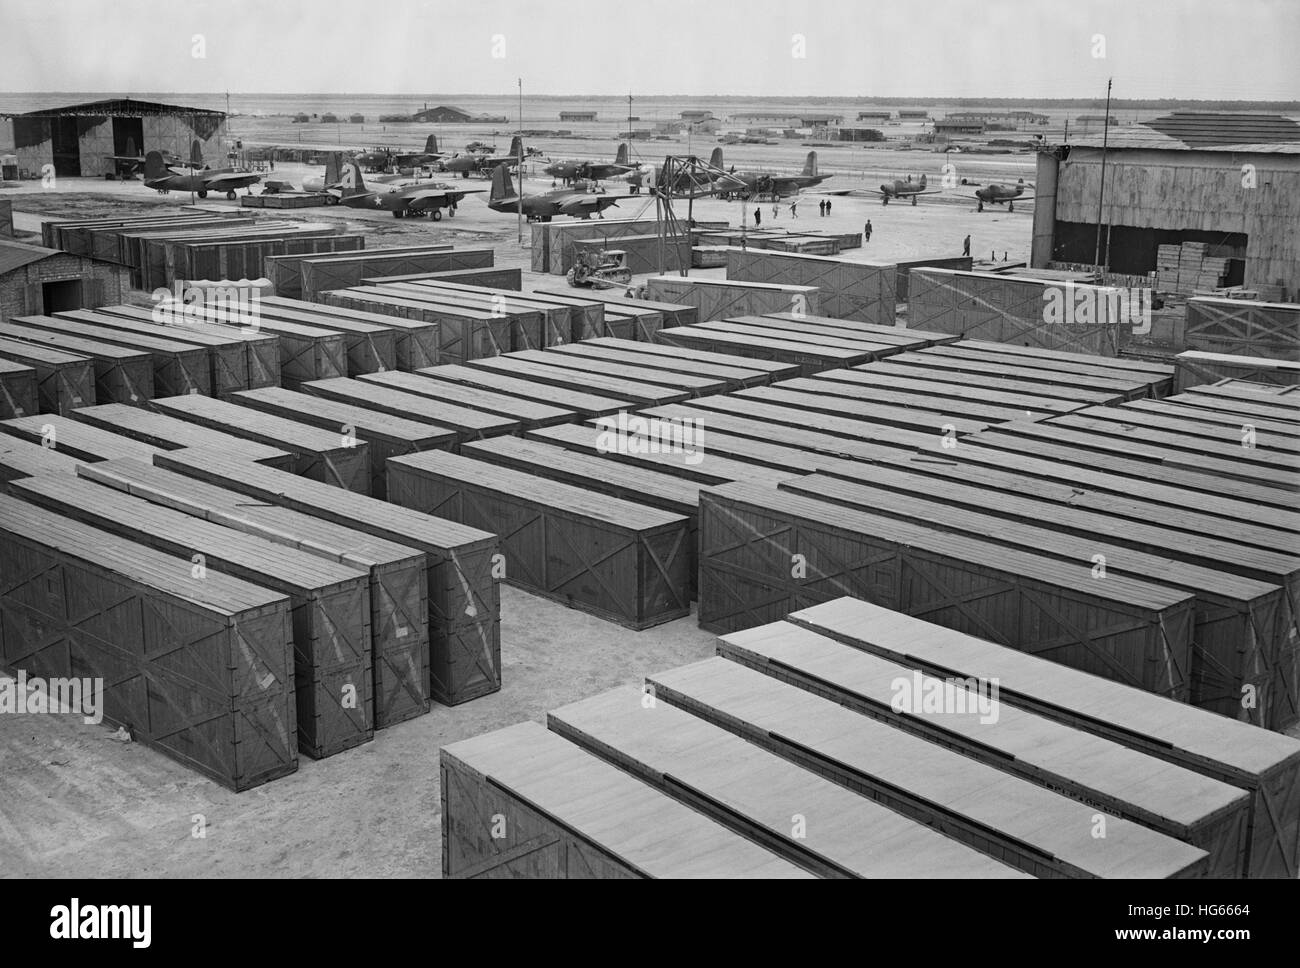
x=606 y=269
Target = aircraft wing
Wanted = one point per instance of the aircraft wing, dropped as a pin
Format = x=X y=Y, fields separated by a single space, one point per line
x=438 y=194
x=231 y=176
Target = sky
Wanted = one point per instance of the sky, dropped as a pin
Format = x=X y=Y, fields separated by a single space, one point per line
x=1212 y=49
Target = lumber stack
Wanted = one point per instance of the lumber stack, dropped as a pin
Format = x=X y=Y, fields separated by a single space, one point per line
x=1188 y=268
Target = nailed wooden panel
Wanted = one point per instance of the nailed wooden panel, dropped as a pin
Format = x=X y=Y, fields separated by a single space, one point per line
x=544 y=787
x=371 y=348
x=464 y=600
x=122 y=375
x=1126 y=629
x=340 y=460
x=528 y=413
x=21 y=458
x=847 y=290
x=1199 y=810
x=1244 y=326
x=466 y=422
x=77 y=440
x=179 y=366
x=168 y=433
x=511 y=324
x=64 y=381
x=674 y=314
x=496 y=277
x=616 y=559
x=201 y=670
x=398 y=591
x=330 y=602
x=903 y=269
x=565 y=398
x=1265 y=764
x=1196 y=367
x=415 y=339
x=345 y=273
x=17 y=389
x=757 y=793
x=719 y=299
x=285 y=271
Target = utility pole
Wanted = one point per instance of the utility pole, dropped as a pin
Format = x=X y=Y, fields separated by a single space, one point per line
x=1101 y=192
x=520 y=216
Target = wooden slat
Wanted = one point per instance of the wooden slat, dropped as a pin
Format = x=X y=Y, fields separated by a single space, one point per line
x=528 y=413
x=564 y=398
x=169 y=433
x=466 y=422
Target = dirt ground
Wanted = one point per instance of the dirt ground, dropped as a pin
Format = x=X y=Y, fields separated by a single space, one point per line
x=75 y=802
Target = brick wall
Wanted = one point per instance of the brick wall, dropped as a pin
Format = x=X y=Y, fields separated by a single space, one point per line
x=103 y=284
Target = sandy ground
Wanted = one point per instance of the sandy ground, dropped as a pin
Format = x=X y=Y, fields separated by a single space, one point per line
x=75 y=802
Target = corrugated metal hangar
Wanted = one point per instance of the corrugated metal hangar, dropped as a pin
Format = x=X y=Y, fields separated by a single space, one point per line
x=1229 y=180
x=82 y=139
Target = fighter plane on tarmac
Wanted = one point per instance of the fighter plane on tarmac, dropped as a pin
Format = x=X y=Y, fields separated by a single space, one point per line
x=412 y=199
x=751 y=183
x=571 y=171
x=1003 y=195
x=902 y=189
x=484 y=163
x=200 y=181
x=542 y=208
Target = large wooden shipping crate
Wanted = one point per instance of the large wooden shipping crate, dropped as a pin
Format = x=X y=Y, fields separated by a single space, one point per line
x=64 y=381
x=847 y=290
x=1197 y=367
x=75 y=439
x=340 y=459
x=463 y=595
x=122 y=375
x=285 y=271
x=239 y=257
x=168 y=433
x=21 y=458
x=371 y=348
x=179 y=366
x=721 y=298
x=1244 y=326
x=969 y=717
x=318 y=277
x=496 y=277
x=641 y=252
x=566 y=814
x=73 y=235
x=527 y=413
x=1264 y=763
x=621 y=561
x=399 y=608
x=553 y=242
x=307 y=352
x=415 y=341
x=674 y=314
x=330 y=602
x=564 y=398
x=467 y=423
x=1011 y=309
x=463 y=332
x=199 y=669
x=903 y=269
x=525 y=326
x=765 y=553
x=17 y=389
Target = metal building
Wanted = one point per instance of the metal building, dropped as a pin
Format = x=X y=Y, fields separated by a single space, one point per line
x=81 y=139
x=1229 y=180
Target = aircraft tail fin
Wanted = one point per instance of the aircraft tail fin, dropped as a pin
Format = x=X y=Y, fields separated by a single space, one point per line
x=431 y=145
x=922 y=181
x=715 y=159
x=196 y=153
x=333 y=172
x=621 y=157
x=516 y=147
x=153 y=165
x=502 y=186
x=352 y=180
x=810 y=166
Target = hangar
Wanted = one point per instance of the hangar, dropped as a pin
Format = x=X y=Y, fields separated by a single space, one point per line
x=81 y=139
x=1228 y=180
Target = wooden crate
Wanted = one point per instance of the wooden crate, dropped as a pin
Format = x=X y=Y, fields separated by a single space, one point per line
x=626 y=353
x=162 y=432
x=1040 y=831
x=565 y=398
x=20 y=458
x=370 y=348
x=576 y=378
x=464 y=600
x=862 y=291
x=1259 y=329
x=64 y=381
x=387 y=435
x=338 y=459
x=399 y=608
x=693 y=384
x=466 y=423
x=285 y=271
x=1243 y=629
x=642 y=321
x=235 y=257
x=199 y=669
x=871 y=383
x=496 y=277
x=75 y=439
x=585 y=317
x=464 y=332
x=329 y=274
x=122 y=375
x=17 y=389
x=1130 y=630
x=330 y=602
x=1265 y=764
x=1195 y=367
x=523 y=325
x=179 y=367
x=903 y=269
x=959 y=359
x=542 y=787
x=238 y=358
x=772 y=370
x=736 y=341
x=721 y=298
x=415 y=341
x=621 y=561
x=306 y=352
x=527 y=413
x=758 y=794
x=642 y=253
x=674 y=314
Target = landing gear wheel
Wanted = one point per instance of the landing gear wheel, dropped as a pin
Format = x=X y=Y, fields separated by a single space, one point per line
x=203 y=194
x=914 y=201
x=399 y=213
x=884 y=200
x=230 y=195
x=979 y=207
x=435 y=215
x=1011 y=206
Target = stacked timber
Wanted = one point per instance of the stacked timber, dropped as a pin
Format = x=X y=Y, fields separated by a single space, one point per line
x=337 y=459
x=216 y=695
x=1244 y=326
x=399 y=606
x=721 y=298
x=464 y=599
x=616 y=559
x=1266 y=765
x=846 y=290
x=330 y=601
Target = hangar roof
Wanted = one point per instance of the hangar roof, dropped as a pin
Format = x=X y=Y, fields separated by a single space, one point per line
x=1239 y=132
x=124 y=107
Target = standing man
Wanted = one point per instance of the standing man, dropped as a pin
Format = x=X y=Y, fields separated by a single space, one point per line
x=794 y=210
x=776 y=210
x=867 y=231
x=965 y=246
x=758 y=216
x=821 y=208
x=828 y=206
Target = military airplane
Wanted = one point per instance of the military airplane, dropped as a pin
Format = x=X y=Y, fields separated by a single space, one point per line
x=902 y=189
x=693 y=183
x=412 y=199
x=333 y=174
x=376 y=159
x=484 y=163
x=541 y=208
x=1003 y=195
x=757 y=183
x=201 y=181
x=571 y=171
x=417 y=159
